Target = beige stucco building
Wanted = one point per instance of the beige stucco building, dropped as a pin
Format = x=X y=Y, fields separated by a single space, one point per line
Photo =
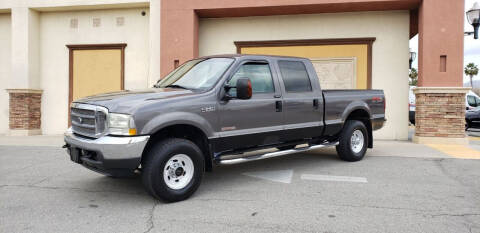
x=34 y=55
x=59 y=50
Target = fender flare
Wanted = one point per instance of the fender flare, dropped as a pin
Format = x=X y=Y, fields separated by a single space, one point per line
x=178 y=118
x=355 y=105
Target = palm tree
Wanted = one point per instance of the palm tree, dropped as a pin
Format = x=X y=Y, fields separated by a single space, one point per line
x=471 y=70
x=413 y=77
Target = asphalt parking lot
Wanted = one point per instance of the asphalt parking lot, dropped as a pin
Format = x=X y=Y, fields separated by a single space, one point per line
x=398 y=187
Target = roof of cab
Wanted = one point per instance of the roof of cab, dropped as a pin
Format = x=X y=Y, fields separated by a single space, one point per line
x=256 y=56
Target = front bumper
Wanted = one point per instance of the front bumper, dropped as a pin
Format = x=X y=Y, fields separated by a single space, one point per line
x=109 y=155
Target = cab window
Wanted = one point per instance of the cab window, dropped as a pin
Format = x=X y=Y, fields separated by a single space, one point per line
x=295 y=76
x=258 y=73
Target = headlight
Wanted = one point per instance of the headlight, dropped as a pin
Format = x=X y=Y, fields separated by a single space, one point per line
x=121 y=124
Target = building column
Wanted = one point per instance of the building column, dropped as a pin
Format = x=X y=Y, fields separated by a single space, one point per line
x=179 y=37
x=23 y=86
x=440 y=96
x=154 y=22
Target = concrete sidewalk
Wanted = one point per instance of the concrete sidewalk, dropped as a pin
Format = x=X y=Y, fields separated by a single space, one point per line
x=381 y=147
x=38 y=140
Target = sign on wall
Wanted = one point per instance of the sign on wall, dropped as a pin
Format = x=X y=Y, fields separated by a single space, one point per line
x=336 y=73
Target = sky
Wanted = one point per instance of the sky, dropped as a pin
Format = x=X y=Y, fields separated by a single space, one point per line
x=471 y=48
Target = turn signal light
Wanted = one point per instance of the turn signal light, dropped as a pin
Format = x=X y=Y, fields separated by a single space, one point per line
x=132 y=131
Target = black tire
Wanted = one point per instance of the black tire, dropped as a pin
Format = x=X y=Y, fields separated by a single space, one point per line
x=467 y=125
x=344 y=148
x=154 y=164
x=286 y=147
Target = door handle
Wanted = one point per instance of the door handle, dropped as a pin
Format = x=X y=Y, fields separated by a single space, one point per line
x=278 y=106
x=315 y=103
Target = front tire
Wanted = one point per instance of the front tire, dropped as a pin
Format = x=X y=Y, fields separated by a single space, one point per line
x=173 y=169
x=353 y=141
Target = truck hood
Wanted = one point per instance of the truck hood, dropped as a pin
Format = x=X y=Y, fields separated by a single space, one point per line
x=128 y=100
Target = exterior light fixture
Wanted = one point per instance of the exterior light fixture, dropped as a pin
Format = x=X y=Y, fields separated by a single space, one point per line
x=413 y=55
x=473 y=17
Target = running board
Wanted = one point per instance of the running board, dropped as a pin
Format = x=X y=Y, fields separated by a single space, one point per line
x=272 y=154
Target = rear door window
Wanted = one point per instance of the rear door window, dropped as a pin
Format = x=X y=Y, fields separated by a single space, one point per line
x=295 y=76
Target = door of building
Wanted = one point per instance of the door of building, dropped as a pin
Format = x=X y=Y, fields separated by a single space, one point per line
x=96 y=69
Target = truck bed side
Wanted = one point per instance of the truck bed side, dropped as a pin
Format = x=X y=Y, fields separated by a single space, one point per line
x=339 y=104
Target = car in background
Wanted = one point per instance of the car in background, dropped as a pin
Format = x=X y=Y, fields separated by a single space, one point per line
x=411 y=106
x=472 y=118
x=472 y=101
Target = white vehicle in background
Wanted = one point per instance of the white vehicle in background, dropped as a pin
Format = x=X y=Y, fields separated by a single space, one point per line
x=411 y=106
x=472 y=101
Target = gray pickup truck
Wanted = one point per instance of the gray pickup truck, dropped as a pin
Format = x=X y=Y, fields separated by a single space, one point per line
x=219 y=110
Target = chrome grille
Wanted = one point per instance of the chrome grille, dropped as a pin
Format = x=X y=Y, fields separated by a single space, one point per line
x=88 y=120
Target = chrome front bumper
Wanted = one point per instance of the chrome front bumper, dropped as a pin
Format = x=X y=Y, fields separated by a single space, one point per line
x=111 y=148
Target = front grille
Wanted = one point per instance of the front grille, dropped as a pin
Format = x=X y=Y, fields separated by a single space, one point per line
x=88 y=120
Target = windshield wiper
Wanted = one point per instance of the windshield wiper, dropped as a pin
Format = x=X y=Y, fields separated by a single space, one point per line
x=176 y=86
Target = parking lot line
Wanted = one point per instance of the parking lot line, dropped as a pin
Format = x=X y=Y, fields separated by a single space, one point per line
x=282 y=176
x=457 y=151
x=334 y=178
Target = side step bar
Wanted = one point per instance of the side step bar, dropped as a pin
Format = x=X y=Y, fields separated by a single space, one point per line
x=273 y=154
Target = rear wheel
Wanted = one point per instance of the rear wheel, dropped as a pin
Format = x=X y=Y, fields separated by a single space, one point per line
x=173 y=169
x=353 y=141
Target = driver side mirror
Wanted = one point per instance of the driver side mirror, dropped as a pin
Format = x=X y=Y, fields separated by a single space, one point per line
x=243 y=89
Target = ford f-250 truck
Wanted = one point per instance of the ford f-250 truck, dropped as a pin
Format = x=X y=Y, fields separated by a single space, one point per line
x=219 y=110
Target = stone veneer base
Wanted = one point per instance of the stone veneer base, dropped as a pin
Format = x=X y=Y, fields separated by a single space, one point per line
x=440 y=115
x=24 y=112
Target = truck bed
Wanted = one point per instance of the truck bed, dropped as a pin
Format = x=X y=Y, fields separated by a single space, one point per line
x=338 y=104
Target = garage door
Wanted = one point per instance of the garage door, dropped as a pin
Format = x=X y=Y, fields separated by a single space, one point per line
x=337 y=66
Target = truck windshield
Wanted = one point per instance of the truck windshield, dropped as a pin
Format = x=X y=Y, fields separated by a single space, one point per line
x=198 y=74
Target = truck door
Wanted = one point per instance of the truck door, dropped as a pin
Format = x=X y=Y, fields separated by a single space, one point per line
x=303 y=102
x=256 y=121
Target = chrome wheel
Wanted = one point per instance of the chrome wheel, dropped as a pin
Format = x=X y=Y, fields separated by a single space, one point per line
x=178 y=171
x=357 y=141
